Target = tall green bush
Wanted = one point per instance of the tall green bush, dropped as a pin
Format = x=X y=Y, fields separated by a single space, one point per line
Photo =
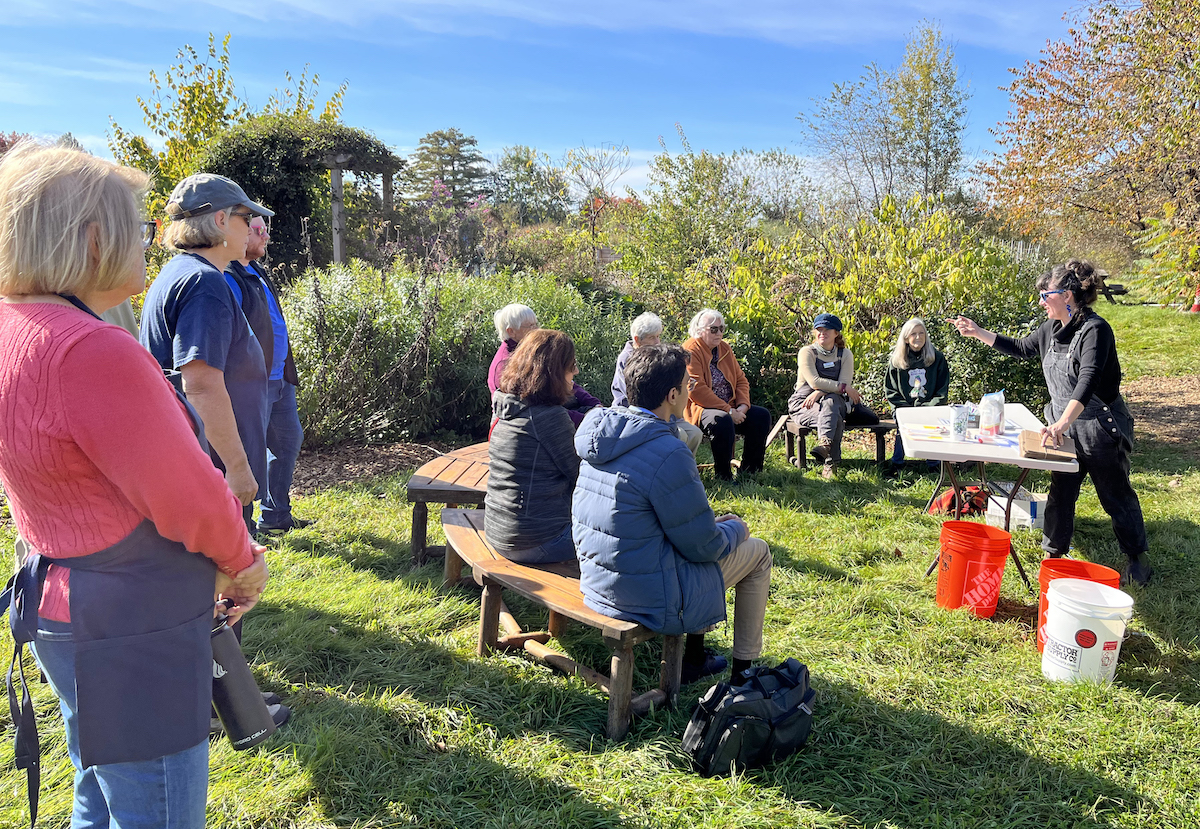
x=874 y=272
x=391 y=355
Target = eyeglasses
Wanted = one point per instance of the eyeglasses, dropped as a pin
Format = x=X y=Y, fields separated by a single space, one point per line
x=149 y=231
x=692 y=381
x=716 y=329
x=1045 y=295
x=245 y=217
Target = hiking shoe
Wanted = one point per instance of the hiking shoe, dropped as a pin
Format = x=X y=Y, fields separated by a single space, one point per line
x=294 y=524
x=829 y=470
x=280 y=713
x=1138 y=571
x=821 y=452
x=713 y=663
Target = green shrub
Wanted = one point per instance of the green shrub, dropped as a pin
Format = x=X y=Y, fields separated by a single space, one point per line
x=905 y=260
x=384 y=356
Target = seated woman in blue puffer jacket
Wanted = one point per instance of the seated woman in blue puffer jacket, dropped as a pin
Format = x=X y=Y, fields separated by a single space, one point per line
x=650 y=549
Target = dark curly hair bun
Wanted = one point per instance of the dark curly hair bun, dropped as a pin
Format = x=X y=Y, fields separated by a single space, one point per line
x=1079 y=277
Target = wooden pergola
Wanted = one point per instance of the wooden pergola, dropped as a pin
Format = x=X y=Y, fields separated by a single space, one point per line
x=336 y=163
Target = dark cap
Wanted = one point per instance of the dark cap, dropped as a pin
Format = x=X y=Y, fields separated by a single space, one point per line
x=827 y=321
x=207 y=193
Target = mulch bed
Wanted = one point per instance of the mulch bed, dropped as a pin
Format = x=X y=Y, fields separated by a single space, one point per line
x=339 y=466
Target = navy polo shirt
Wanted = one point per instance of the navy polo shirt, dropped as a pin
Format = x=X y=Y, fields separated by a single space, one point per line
x=190 y=314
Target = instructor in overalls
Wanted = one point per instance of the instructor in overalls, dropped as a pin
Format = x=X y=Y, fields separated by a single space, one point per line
x=1079 y=359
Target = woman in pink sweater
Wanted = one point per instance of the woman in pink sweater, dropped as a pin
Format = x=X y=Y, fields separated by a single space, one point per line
x=131 y=530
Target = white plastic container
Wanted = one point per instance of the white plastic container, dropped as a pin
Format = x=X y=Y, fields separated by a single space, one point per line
x=1085 y=623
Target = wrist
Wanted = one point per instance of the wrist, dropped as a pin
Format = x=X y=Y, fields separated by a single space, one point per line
x=841 y=388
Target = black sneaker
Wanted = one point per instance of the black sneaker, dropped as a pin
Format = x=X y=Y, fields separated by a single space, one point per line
x=294 y=524
x=1138 y=571
x=280 y=713
x=270 y=697
x=892 y=470
x=713 y=663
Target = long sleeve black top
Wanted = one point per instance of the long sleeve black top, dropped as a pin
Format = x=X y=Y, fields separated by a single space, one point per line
x=1095 y=359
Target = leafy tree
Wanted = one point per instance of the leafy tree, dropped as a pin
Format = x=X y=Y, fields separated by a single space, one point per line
x=678 y=246
x=1104 y=128
x=530 y=185
x=449 y=157
x=894 y=133
x=929 y=108
x=193 y=103
x=779 y=183
x=300 y=98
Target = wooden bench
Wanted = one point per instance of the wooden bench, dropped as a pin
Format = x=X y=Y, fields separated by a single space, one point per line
x=794 y=433
x=458 y=477
x=556 y=587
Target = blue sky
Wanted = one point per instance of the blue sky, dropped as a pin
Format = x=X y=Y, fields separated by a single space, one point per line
x=553 y=75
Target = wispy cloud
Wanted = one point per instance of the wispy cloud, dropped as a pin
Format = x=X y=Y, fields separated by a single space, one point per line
x=1017 y=25
x=98 y=69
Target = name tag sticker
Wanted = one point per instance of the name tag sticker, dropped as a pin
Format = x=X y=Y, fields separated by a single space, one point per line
x=829 y=365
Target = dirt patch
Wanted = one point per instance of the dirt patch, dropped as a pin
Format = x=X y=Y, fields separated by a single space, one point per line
x=324 y=468
x=1167 y=409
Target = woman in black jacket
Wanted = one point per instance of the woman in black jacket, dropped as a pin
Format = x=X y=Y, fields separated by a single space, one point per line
x=531 y=454
x=917 y=375
x=1079 y=360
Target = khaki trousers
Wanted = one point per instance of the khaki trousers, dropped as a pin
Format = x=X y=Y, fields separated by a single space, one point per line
x=748 y=571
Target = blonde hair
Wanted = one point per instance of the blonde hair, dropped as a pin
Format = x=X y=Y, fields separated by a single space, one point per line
x=899 y=357
x=69 y=222
x=195 y=231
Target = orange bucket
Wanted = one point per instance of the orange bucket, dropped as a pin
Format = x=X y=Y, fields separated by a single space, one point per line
x=971 y=566
x=1068 y=568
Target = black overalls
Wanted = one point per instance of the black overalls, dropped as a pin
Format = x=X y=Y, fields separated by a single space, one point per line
x=1103 y=436
x=830 y=415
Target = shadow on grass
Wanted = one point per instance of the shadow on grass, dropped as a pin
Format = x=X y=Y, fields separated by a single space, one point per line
x=1165 y=458
x=415 y=732
x=885 y=765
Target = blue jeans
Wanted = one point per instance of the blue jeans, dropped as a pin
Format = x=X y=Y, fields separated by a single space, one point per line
x=164 y=793
x=284 y=438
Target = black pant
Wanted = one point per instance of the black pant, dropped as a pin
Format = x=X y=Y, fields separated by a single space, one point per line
x=1106 y=458
x=721 y=431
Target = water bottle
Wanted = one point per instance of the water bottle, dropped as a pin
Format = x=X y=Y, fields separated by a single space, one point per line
x=236 y=697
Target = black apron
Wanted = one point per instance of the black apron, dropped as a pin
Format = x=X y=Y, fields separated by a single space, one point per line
x=825 y=369
x=141 y=621
x=1101 y=424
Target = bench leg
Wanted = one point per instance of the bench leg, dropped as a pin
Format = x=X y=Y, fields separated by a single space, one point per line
x=802 y=439
x=557 y=624
x=880 y=448
x=451 y=568
x=791 y=450
x=620 y=692
x=672 y=668
x=489 y=616
x=420 y=520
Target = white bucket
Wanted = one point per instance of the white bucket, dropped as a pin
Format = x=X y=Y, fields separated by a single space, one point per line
x=1085 y=623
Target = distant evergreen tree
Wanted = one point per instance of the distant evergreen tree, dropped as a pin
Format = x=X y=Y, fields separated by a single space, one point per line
x=453 y=159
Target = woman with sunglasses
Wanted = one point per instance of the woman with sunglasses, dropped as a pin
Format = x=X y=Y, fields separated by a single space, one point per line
x=1079 y=360
x=193 y=324
x=719 y=399
x=128 y=530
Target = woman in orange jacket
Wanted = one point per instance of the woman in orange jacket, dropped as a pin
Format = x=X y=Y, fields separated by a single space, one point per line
x=719 y=400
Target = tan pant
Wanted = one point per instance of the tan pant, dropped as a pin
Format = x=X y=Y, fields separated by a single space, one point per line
x=689 y=433
x=748 y=571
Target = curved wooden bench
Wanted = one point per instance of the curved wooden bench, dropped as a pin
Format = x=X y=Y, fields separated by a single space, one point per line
x=556 y=587
x=796 y=433
x=458 y=477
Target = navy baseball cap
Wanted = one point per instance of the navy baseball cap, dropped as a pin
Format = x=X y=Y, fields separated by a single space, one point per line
x=207 y=193
x=827 y=321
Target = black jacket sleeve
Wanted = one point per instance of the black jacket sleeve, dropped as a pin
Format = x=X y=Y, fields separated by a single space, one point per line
x=1035 y=345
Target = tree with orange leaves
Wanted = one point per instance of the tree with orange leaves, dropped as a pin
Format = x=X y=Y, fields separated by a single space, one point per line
x=1105 y=126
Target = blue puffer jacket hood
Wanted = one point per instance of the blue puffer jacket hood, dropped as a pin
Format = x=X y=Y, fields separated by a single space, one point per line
x=647 y=540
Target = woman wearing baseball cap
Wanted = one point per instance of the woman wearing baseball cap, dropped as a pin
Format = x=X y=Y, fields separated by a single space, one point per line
x=825 y=398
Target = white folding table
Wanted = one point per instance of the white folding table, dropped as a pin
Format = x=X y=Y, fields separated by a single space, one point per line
x=917 y=426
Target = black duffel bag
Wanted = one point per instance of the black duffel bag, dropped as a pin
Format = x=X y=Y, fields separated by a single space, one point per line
x=767 y=717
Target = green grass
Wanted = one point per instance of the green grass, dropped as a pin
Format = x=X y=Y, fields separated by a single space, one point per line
x=925 y=717
x=1154 y=342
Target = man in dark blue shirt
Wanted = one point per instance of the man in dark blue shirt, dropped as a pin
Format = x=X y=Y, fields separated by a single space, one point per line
x=251 y=284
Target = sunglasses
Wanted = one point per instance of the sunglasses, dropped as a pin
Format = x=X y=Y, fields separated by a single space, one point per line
x=716 y=329
x=149 y=231
x=263 y=231
x=245 y=217
x=1047 y=294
